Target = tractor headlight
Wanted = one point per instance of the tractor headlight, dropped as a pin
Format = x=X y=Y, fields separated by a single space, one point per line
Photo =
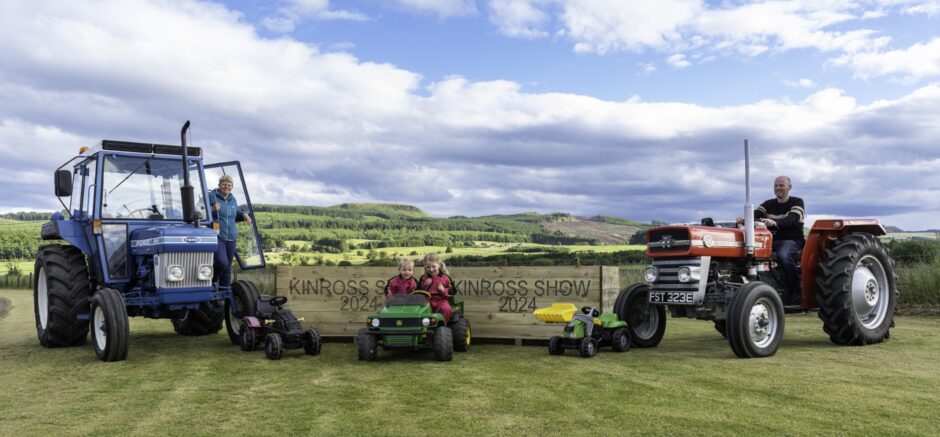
x=426 y=321
x=375 y=323
x=651 y=274
x=685 y=274
x=205 y=272
x=174 y=273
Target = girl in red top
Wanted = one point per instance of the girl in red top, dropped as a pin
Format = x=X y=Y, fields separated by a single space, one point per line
x=405 y=282
x=436 y=282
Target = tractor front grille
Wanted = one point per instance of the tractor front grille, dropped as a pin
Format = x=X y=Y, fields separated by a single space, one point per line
x=669 y=240
x=399 y=323
x=190 y=261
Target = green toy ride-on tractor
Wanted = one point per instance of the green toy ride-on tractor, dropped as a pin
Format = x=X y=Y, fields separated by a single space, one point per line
x=586 y=331
x=408 y=323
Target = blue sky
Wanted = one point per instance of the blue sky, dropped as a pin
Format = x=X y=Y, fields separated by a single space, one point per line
x=472 y=107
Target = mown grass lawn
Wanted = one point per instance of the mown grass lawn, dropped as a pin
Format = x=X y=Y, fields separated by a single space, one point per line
x=691 y=384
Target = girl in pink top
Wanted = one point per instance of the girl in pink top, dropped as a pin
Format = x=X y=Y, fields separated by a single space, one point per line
x=436 y=282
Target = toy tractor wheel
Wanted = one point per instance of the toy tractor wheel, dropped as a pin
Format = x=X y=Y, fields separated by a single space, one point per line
x=312 y=342
x=755 y=321
x=247 y=338
x=60 y=293
x=461 y=333
x=202 y=321
x=588 y=347
x=620 y=340
x=722 y=327
x=857 y=290
x=273 y=348
x=555 y=347
x=246 y=296
x=368 y=346
x=646 y=323
x=109 y=328
x=443 y=344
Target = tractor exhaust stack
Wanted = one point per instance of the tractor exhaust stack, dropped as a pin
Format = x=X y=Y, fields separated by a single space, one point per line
x=186 y=191
x=748 y=206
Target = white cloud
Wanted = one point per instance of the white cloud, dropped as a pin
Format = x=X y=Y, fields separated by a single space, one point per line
x=678 y=61
x=323 y=128
x=295 y=11
x=604 y=26
x=800 y=83
x=921 y=60
x=519 y=18
x=441 y=8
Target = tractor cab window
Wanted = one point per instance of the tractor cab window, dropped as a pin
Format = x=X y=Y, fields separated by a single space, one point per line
x=146 y=188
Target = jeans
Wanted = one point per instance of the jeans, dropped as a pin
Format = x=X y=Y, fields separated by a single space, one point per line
x=784 y=249
x=222 y=265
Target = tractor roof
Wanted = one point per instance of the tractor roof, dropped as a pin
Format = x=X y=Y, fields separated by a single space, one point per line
x=143 y=148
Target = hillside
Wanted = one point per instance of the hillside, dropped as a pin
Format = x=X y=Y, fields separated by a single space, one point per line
x=608 y=230
x=345 y=227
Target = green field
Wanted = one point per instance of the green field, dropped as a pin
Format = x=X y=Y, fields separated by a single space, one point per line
x=691 y=384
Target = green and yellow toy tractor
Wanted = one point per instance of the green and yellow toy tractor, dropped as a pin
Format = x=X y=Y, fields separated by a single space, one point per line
x=586 y=331
x=407 y=322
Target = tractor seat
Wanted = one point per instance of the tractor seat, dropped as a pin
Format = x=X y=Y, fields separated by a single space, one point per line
x=590 y=311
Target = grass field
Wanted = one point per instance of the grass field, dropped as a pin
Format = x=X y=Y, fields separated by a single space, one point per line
x=691 y=384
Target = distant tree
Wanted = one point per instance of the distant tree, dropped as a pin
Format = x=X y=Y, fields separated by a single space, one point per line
x=638 y=237
x=413 y=253
x=449 y=250
x=345 y=263
x=358 y=253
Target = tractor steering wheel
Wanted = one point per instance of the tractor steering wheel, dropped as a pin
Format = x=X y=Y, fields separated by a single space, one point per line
x=425 y=293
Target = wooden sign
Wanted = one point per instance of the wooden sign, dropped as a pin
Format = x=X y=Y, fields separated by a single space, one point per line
x=498 y=300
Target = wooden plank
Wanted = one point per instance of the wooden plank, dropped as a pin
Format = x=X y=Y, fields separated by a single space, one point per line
x=498 y=300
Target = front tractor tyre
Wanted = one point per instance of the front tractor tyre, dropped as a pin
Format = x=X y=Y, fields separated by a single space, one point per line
x=620 y=340
x=247 y=338
x=646 y=323
x=368 y=346
x=755 y=321
x=443 y=344
x=60 y=293
x=312 y=342
x=555 y=346
x=857 y=290
x=461 y=333
x=109 y=325
x=273 y=347
x=245 y=295
x=588 y=347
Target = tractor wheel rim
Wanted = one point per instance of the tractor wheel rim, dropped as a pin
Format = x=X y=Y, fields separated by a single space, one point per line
x=42 y=298
x=232 y=320
x=762 y=322
x=645 y=321
x=468 y=335
x=870 y=292
x=99 y=326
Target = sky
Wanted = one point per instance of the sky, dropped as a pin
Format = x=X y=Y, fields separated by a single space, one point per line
x=474 y=107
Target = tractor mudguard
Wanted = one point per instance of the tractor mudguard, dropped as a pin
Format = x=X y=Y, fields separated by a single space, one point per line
x=252 y=321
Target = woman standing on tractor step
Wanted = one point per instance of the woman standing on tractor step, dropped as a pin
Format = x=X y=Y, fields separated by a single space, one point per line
x=225 y=212
x=437 y=282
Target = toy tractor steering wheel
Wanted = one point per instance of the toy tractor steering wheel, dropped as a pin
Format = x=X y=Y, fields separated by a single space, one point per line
x=425 y=293
x=278 y=300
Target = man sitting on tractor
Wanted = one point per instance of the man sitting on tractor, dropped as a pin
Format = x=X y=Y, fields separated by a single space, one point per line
x=784 y=216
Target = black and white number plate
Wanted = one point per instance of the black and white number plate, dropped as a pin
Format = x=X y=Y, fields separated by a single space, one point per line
x=684 y=297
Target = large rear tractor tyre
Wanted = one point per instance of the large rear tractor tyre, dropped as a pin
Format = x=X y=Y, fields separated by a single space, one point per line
x=368 y=346
x=246 y=297
x=461 y=333
x=109 y=325
x=60 y=293
x=857 y=290
x=755 y=321
x=203 y=321
x=646 y=323
x=443 y=343
x=312 y=342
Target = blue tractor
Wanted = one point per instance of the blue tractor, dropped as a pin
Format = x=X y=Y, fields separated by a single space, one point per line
x=141 y=243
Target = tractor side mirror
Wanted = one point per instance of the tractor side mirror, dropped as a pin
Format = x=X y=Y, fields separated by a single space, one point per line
x=63 y=183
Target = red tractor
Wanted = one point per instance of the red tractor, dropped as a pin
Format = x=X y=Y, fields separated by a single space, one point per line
x=729 y=276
